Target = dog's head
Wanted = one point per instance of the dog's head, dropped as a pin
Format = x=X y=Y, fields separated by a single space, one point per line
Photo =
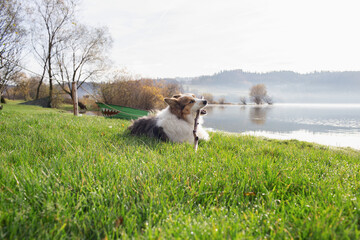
x=185 y=105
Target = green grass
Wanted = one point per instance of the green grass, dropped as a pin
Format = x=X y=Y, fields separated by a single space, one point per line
x=85 y=178
x=70 y=107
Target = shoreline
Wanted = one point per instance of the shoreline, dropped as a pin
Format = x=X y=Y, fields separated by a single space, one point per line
x=303 y=136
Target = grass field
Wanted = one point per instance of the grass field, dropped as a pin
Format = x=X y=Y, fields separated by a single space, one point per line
x=85 y=178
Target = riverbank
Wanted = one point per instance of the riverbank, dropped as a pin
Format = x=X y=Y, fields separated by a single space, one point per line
x=84 y=177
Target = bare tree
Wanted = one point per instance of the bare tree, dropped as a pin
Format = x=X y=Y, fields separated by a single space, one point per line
x=11 y=35
x=243 y=100
x=9 y=67
x=82 y=56
x=258 y=93
x=50 y=18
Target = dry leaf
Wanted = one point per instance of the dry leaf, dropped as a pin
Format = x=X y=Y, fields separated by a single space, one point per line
x=250 y=194
x=119 y=221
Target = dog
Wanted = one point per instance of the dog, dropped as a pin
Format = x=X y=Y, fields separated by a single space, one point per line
x=175 y=123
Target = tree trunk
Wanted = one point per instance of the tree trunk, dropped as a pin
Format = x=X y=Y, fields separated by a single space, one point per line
x=38 y=88
x=41 y=81
x=50 y=87
x=50 y=77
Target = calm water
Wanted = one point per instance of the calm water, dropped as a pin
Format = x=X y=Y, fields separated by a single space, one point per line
x=329 y=124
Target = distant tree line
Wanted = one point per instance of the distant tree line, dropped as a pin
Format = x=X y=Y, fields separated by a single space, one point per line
x=257 y=94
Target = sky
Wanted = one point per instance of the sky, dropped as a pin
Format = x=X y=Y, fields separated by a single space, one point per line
x=187 y=38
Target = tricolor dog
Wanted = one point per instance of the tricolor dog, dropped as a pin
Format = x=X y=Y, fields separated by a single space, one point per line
x=174 y=123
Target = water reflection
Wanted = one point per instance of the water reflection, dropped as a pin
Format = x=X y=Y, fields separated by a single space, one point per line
x=221 y=107
x=258 y=114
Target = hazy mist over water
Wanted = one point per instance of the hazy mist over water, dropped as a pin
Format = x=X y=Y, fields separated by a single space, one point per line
x=282 y=86
x=329 y=124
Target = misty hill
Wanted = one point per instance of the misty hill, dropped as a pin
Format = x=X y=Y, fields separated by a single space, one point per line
x=283 y=86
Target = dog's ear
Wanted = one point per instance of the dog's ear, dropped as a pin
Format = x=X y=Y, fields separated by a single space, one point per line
x=172 y=102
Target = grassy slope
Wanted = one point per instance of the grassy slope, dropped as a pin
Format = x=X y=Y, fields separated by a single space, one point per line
x=85 y=177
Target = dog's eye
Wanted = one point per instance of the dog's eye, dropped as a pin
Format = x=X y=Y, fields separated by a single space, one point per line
x=192 y=101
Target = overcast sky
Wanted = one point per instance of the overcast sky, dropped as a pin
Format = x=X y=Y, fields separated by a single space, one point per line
x=168 y=38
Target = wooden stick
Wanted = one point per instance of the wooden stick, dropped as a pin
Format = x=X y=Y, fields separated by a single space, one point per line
x=196 y=138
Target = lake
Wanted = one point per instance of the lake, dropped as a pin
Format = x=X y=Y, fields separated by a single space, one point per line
x=328 y=124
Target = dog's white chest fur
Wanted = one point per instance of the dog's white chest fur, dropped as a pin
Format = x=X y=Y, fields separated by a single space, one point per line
x=179 y=130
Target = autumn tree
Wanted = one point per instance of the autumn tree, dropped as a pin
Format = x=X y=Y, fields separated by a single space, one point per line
x=169 y=88
x=51 y=18
x=145 y=94
x=141 y=94
x=22 y=86
x=11 y=35
x=106 y=90
x=258 y=93
x=81 y=56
